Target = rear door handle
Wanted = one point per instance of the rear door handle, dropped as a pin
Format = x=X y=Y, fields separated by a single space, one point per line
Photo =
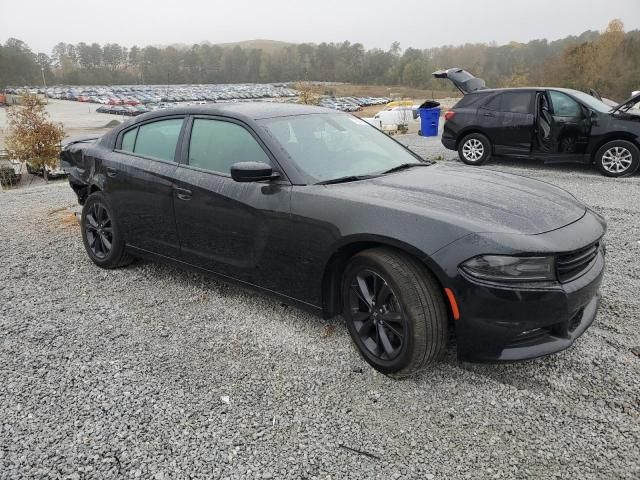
x=111 y=172
x=489 y=115
x=182 y=193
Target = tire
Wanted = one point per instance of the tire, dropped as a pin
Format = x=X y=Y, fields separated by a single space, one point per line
x=617 y=158
x=101 y=234
x=474 y=149
x=410 y=313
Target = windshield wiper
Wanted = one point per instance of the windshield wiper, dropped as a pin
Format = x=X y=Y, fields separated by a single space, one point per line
x=348 y=178
x=404 y=166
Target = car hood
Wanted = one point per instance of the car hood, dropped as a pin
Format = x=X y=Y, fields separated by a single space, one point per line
x=632 y=100
x=479 y=201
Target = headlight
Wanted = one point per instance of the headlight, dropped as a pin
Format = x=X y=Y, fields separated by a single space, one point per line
x=501 y=268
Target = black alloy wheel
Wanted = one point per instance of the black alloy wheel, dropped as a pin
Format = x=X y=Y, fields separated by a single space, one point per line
x=376 y=315
x=101 y=234
x=99 y=230
x=394 y=311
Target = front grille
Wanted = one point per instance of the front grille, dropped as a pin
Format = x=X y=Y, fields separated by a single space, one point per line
x=571 y=265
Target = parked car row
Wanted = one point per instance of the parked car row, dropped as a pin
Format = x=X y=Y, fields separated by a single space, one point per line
x=352 y=104
x=134 y=110
x=143 y=94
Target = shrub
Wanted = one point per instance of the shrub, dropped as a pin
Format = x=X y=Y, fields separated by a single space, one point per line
x=33 y=138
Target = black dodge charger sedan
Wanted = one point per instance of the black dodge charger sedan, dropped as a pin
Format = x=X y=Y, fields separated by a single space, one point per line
x=331 y=214
x=551 y=124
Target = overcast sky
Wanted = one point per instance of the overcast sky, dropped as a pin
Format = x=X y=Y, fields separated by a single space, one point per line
x=375 y=23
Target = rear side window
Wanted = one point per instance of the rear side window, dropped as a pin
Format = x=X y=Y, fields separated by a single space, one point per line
x=493 y=103
x=158 y=139
x=516 y=102
x=564 y=105
x=129 y=140
x=470 y=100
x=216 y=145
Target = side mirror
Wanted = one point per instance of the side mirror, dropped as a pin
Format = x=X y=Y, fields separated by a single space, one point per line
x=252 y=172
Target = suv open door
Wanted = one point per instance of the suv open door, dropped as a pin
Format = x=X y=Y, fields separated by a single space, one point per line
x=463 y=80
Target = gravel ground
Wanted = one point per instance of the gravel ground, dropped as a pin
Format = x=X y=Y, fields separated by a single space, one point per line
x=152 y=372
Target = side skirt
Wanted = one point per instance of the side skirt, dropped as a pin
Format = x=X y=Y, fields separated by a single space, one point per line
x=140 y=252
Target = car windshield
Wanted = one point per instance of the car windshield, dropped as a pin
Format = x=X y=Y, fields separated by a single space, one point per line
x=591 y=102
x=331 y=146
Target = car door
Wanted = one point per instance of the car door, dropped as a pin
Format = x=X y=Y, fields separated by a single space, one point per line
x=570 y=127
x=488 y=118
x=234 y=229
x=515 y=119
x=140 y=173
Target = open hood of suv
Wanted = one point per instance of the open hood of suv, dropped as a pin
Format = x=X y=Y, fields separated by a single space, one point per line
x=463 y=80
x=627 y=104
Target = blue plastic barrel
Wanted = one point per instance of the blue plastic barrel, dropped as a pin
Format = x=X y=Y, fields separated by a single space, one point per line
x=429 y=120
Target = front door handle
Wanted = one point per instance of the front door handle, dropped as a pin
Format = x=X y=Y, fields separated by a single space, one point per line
x=182 y=193
x=111 y=172
x=489 y=115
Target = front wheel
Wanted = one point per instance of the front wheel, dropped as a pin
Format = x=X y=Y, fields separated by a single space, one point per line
x=101 y=234
x=474 y=149
x=394 y=311
x=617 y=158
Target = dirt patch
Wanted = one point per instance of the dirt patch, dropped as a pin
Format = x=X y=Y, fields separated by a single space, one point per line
x=70 y=220
x=65 y=217
x=391 y=91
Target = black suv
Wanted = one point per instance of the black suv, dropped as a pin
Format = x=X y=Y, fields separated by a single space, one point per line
x=552 y=124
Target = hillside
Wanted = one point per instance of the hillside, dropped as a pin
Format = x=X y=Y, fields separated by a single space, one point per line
x=267 y=46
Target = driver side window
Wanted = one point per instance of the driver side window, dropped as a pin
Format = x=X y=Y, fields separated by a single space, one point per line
x=215 y=145
x=564 y=105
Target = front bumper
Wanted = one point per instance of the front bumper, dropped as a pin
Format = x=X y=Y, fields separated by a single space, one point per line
x=518 y=322
x=504 y=324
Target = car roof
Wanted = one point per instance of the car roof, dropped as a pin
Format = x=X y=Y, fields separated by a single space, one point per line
x=247 y=112
x=516 y=89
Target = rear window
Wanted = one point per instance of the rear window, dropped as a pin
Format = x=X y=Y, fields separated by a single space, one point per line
x=158 y=139
x=129 y=140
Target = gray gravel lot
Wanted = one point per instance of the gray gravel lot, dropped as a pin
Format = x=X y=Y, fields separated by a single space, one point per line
x=152 y=372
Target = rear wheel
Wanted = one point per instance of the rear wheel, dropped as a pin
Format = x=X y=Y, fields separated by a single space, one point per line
x=474 y=149
x=617 y=158
x=394 y=311
x=101 y=234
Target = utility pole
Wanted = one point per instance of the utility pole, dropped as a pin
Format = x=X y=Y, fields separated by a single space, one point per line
x=167 y=86
x=43 y=80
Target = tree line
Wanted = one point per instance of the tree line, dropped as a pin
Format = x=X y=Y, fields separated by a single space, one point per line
x=608 y=61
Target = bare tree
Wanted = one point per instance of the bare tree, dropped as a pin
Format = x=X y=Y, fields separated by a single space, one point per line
x=306 y=94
